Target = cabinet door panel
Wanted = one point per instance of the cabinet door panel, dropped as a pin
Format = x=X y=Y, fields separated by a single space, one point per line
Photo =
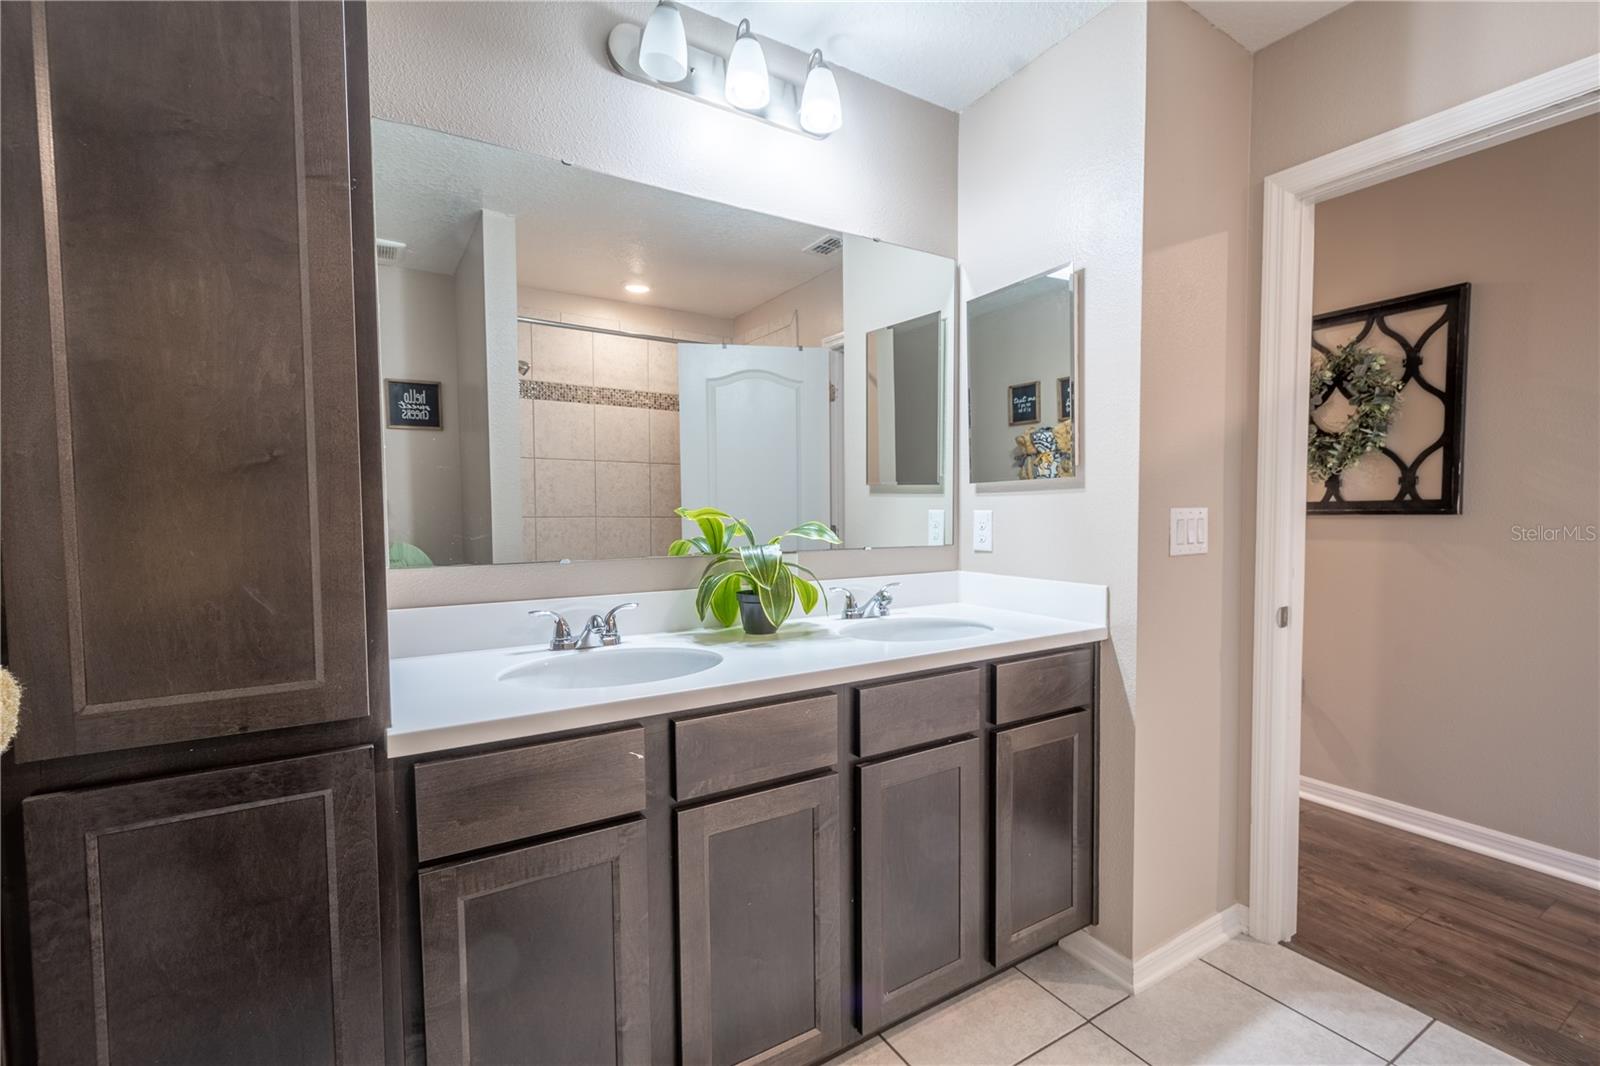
x=1044 y=854
x=921 y=871
x=181 y=458
x=758 y=926
x=540 y=955
x=222 y=917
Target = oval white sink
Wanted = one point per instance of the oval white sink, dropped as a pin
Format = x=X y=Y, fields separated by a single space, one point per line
x=608 y=667
x=907 y=629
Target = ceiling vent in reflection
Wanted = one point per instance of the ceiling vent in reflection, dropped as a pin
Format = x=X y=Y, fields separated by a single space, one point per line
x=390 y=252
x=827 y=244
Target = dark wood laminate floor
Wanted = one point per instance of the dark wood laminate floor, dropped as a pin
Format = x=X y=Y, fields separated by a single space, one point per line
x=1506 y=954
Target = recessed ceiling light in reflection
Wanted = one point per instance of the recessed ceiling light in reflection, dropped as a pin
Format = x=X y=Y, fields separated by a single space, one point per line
x=638 y=288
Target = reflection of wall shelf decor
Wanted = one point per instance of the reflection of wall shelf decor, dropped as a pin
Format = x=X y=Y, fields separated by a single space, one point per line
x=1024 y=400
x=414 y=404
x=1064 y=399
x=1418 y=470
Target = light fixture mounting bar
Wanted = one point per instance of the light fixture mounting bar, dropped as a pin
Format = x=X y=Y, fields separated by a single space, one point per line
x=707 y=72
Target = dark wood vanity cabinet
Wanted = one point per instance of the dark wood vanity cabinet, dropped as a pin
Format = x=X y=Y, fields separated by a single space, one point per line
x=921 y=879
x=185 y=485
x=539 y=955
x=759 y=883
x=1044 y=786
x=758 y=926
x=229 y=916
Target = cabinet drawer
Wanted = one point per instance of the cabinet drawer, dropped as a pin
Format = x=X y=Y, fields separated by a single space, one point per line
x=1029 y=688
x=481 y=800
x=903 y=714
x=738 y=748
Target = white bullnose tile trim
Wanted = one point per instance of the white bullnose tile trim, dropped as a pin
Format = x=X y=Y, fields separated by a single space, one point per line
x=1519 y=851
x=1160 y=962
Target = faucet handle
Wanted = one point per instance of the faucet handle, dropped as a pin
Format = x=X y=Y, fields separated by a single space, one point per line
x=850 y=608
x=609 y=634
x=562 y=640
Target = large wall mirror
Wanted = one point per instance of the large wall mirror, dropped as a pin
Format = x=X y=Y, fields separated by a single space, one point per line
x=570 y=356
x=1023 y=345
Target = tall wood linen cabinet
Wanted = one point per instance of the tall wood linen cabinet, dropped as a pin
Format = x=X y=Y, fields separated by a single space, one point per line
x=192 y=536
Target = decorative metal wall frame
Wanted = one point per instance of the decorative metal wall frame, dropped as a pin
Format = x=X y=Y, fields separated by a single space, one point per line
x=1453 y=302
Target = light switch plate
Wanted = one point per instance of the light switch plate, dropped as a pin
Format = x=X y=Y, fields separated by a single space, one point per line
x=1188 y=531
x=983 y=531
x=936 y=526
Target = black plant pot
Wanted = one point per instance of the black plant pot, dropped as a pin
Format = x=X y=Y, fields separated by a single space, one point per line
x=755 y=620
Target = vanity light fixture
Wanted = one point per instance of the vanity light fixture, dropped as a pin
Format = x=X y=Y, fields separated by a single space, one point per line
x=638 y=288
x=741 y=84
x=748 y=85
x=820 y=112
x=664 y=49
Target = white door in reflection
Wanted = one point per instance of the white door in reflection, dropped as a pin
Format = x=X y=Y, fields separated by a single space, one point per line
x=753 y=434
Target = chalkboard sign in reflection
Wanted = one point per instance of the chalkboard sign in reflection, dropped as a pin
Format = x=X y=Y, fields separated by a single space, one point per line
x=1024 y=403
x=414 y=405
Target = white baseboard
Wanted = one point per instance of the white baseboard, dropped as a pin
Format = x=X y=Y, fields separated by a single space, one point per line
x=1160 y=962
x=1529 y=854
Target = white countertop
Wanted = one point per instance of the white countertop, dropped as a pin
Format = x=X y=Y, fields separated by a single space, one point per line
x=455 y=698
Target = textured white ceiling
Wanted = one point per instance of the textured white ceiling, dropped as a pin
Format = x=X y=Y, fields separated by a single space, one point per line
x=582 y=232
x=1258 y=23
x=948 y=53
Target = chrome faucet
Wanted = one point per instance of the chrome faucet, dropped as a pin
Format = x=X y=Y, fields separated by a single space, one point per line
x=604 y=626
x=877 y=605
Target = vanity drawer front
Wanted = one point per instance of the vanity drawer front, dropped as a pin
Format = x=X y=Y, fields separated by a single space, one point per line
x=1029 y=688
x=903 y=714
x=737 y=748
x=478 y=801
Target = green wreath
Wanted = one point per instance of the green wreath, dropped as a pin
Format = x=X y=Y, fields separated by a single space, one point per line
x=1374 y=393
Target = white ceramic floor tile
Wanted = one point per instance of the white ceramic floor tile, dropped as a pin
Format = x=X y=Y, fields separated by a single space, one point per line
x=1444 y=1046
x=1085 y=1046
x=999 y=1023
x=1381 y=1025
x=1073 y=981
x=1200 y=1016
x=873 y=1052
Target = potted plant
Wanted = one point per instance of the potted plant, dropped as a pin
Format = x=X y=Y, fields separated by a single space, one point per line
x=750 y=581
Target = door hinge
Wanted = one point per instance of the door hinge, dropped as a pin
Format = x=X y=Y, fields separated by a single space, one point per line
x=1283 y=618
x=833 y=392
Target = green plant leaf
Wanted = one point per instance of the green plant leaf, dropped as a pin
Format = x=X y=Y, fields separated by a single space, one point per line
x=710 y=579
x=693 y=546
x=810 y=531
x=741 y=526
x=816 y=582
x=764 y=563
x=808 y=594
x=778 y=599
x=725 y=599
x=713 y=523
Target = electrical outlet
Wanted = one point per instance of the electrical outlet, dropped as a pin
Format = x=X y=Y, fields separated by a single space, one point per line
x=1188 y=532
x=983 y=531
x=936 y=526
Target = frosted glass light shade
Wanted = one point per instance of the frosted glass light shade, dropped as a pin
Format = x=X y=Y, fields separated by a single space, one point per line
x=820 y=111
x=747 y=86
x=664 y=50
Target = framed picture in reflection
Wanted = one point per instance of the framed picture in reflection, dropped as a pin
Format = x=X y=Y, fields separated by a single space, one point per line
x=1024 y=403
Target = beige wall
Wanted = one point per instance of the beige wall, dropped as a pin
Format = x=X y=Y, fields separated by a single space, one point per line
x=1418 y=58
x=1450 y=665
x=816 y=307
x=1194 y=387
x=1052 y=171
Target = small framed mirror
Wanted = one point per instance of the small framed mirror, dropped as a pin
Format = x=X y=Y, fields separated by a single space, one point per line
x=905 y=405
x=1025 y=382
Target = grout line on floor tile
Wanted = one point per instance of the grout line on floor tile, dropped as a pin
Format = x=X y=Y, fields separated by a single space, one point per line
x=1407 y=1048
x=1308 y=1017
x=1082 y=1021
x=1064 y=1003
x=894 y=1050
x=1115 y=1041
